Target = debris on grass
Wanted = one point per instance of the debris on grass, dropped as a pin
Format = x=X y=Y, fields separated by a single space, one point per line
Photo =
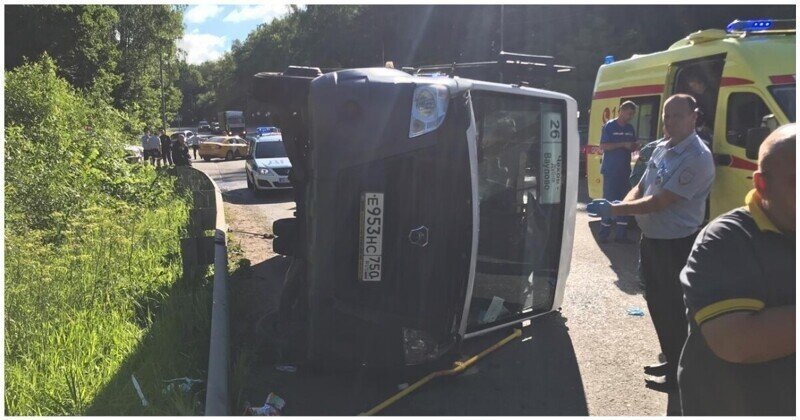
x=184 y=385
x=139 y=391
x=286 y=368
x=271 y=407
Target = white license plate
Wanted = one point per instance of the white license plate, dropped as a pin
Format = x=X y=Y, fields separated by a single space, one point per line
x=283 y=179
x=370 y=259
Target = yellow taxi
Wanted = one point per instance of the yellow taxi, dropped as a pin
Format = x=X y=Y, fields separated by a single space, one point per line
x=223 y=147
x=743 y=79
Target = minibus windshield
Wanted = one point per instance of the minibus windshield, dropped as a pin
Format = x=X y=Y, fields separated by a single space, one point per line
x=521 y=182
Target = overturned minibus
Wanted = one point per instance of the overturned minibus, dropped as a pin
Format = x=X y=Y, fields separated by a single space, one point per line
x=431 y=208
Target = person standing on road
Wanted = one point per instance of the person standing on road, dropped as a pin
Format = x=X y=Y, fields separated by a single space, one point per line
x=166 y=148
x=617 y=141
x=180 y=151
x=145 y=140
x=151 y=148
x=670 y=204
x=739 y=287
x=194 y=143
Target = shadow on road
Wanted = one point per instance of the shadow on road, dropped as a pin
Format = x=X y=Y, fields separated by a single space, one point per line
x=625 y=263
x=256 y=291
x=624 y=257
x=533 y=376
x=245 y=196
x=583 y=192
x=538 y=376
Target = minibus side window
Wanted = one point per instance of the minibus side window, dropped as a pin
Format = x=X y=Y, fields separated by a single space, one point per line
x=745 y=111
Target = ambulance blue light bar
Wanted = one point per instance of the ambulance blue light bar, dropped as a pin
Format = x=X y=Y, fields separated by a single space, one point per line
x=750 y=25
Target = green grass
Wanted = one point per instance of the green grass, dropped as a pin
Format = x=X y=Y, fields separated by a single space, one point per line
x=108 y=301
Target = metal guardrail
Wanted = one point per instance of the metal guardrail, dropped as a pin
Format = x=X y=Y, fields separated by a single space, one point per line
x=196 y=253
x=219 y=350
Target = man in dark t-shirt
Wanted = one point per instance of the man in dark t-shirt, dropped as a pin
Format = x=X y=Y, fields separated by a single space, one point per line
x=739 y=289
x=617 y=140
x=166 y=148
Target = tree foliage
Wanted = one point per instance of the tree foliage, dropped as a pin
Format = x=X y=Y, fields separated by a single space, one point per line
x=121 y=48
x=63 y=150
x=333 y=36
x=79 y=38
x=148 y=57
x=129 y=46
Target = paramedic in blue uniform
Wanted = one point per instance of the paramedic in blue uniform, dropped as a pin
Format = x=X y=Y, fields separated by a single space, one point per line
x=739 y=287
x=617 y=141
x=670 y=205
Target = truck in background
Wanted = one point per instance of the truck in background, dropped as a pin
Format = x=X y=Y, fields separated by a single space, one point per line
x=232 y=122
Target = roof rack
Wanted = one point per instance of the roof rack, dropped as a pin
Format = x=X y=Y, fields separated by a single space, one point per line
x=512 y=68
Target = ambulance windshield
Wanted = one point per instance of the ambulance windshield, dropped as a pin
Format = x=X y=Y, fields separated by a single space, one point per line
x=521 y=175
x=785 y=96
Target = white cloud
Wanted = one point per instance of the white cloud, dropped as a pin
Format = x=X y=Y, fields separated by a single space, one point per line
x=202 y=12
x=201 y=47
x=261 y=12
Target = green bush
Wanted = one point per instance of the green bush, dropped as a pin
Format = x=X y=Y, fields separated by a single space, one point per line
x=92 y=260
x=64 y=150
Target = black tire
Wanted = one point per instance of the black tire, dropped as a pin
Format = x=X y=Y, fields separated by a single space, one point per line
x=206 y=158
x=283 y=245
x=284 y=227
x=229 y=155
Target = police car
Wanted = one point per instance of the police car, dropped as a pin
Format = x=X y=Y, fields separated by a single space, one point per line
x=260 y=131
x=267 y=166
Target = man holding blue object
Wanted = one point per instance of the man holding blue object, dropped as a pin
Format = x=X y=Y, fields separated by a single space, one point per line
x=617 y=141
x=670 y=205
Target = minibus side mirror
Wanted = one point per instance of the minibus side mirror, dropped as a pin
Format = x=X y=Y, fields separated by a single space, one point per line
x=753 y=140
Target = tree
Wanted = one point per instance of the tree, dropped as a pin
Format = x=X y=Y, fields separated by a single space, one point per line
x=147 y=46
x=79 y=38
x=116 y=52
x=191 y=84
x=332 y=36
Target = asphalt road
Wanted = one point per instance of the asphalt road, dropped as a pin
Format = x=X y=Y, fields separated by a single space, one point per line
x=585 y=359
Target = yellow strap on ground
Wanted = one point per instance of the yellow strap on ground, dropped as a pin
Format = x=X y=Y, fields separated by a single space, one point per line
x=458 y=368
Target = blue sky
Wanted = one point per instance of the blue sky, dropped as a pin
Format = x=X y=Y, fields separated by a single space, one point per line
x=210 y=29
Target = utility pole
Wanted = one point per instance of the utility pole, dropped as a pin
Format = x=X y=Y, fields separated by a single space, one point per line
x=502 y=76
x=163 y=101
x=501 y=28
